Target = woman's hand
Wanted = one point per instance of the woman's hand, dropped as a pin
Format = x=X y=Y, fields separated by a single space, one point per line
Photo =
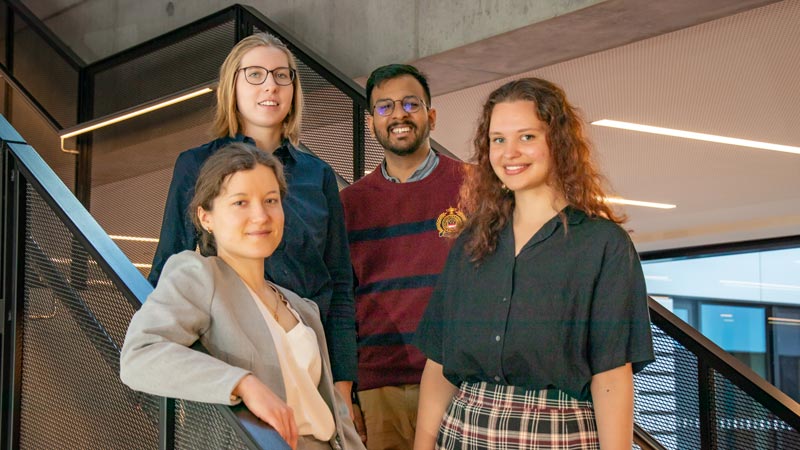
x=267 y=406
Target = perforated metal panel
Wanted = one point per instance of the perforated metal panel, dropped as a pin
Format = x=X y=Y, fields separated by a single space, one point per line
x=667 y=405
x=74 y=323
x=46 y=75
x=666 y=395
x=373 y=152
x=186 y=63
x=200 y=426
x=41 y=136
x=742 y=422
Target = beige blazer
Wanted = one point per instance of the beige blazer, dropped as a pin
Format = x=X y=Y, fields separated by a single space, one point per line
x=201 y=298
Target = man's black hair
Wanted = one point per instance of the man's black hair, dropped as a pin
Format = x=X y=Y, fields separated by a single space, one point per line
x=392 y=71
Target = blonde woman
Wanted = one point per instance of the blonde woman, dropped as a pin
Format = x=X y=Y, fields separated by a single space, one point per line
x=259 y=101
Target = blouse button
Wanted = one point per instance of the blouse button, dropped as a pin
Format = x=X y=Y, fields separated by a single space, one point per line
x=497 y=378
x=497 y=338
x=505 y=299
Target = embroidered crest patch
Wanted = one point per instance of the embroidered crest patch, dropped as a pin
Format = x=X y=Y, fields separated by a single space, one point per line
x=450 y=222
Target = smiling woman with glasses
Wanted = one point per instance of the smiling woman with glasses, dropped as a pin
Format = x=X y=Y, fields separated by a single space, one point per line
x=260 y=102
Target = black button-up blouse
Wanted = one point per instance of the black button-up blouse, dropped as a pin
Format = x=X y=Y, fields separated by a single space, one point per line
x=572 y=304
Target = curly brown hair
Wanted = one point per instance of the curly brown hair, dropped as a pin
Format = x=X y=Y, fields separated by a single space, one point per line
x=486 y=202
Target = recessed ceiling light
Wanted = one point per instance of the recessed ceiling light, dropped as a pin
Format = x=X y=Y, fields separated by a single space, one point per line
x=697 y=136
x=625 y=201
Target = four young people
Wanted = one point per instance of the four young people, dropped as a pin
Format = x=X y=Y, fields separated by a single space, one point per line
x=536 y=324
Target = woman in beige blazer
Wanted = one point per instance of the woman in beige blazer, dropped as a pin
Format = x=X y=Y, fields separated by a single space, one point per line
x=267 y=345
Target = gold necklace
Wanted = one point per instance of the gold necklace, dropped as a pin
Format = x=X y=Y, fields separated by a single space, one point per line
x=278 y=299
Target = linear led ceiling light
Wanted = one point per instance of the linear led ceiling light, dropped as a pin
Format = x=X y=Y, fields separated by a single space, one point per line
x=117 y=237
x=625 y=201
x=136 y=111
x=696 y=136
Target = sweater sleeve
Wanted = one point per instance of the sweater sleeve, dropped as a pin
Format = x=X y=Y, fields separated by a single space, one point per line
x=177 y=232
x=156 y=357
x=340 y=328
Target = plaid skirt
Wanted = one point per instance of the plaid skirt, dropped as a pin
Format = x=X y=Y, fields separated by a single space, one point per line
x=490 y=416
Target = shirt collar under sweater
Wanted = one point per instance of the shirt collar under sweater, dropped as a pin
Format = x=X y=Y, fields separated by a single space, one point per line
x=424 y=169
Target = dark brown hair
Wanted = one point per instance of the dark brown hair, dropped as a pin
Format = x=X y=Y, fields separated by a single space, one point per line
x=216 y=171
x=574 y=175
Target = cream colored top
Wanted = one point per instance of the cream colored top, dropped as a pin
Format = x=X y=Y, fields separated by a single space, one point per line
x=301 y=366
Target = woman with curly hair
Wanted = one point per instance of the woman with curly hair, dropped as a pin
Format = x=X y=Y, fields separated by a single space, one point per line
x=540 y=317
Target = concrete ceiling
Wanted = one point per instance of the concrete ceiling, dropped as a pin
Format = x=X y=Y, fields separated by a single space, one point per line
x=735 y=76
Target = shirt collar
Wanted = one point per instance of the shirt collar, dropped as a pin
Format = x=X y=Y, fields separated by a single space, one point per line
x=574 y=215
x=423 y=170
x=286 y=151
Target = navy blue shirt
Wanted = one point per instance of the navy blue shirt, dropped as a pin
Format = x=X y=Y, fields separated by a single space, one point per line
x=313 y=259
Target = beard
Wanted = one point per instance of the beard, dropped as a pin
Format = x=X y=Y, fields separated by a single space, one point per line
x=403 y=148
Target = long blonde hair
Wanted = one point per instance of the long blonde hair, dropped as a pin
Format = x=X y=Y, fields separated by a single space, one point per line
x=226 y=117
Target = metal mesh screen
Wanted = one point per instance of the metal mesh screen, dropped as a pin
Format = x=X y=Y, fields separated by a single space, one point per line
x=36 y=131
x=46 y=75
x=132 y=166
x=373 y=152
x=183 y=64
x=327 y=122
x=74 y=323
x=200 y=426
x=327 y=128
x=667 y=397
x=742 y=422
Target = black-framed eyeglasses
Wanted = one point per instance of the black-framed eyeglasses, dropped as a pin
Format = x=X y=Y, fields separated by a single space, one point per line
x=283 y=76
x=410 y=103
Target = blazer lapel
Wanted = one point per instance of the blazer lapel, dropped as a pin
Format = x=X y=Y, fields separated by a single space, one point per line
x=253 y=327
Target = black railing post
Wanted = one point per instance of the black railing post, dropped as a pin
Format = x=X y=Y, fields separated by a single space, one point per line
x=707 y=406
x=13 y=293
x=359 y=152
x=166 y=423
x=83 y=160
x=243 y=26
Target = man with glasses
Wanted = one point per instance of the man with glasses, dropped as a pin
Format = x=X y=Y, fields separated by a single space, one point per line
x=399 y=219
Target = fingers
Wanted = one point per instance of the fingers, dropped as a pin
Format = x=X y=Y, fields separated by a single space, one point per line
x=358 y=421
x=293 y=433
